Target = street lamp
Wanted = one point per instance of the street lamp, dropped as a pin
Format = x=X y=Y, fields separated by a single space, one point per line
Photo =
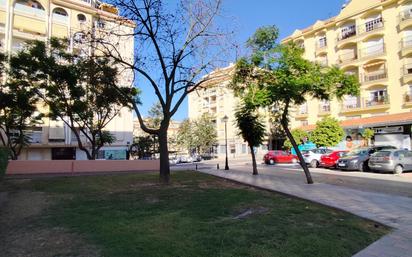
x=225 y=120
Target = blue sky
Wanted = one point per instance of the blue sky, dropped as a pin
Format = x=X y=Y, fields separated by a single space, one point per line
x=248 y=15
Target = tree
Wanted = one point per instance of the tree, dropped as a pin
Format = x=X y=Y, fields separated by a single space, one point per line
x=81 y=91
x=286 y=79
x=252 y=129
x=368 y=134
x=205 y=133
x=177 y=46
x=198 y=135
x=328 y=133
x=298 y=136
x=144 y=146
x=18 y=111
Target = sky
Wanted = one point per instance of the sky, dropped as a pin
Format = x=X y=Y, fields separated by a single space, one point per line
x=248 y=15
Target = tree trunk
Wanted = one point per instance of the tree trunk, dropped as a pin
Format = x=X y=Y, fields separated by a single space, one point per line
x=299 y=154
x=164 y=156
x=255 y=170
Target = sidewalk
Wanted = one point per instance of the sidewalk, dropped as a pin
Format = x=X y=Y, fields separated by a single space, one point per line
x=393 y=211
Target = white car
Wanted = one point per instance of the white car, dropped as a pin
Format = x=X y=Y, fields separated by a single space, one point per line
x=312 y=157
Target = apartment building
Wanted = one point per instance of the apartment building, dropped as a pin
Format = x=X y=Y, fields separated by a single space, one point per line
x=217 y=99
x=24 y=20
x=371 y=39
x=172 y=134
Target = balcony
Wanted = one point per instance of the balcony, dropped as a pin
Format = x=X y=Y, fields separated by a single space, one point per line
x=404 y=19
x=407 y=100
x=347 y=58
x=30 y=11
x=407 y=73
x=302 y=112
x=371 y=26
x=406 y=46
x=324 y=109
x=321 y=47
x=366 y=104
x=372 y=51
x=372 y=77
x=347 y=33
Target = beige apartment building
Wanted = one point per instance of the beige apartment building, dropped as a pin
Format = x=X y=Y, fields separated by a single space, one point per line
x=23 y=20
x=371 y=39
x=172 y=134
x=216 y=98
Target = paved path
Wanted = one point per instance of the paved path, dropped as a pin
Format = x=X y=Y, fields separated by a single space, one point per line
x=391 y=210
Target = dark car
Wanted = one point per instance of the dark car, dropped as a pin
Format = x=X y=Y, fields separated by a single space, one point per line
x=358 y=159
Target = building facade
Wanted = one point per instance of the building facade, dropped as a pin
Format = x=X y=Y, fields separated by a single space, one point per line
x=217 y=99
x=373 y=41
x=24 y=20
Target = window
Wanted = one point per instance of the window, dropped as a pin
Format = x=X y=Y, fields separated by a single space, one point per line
x=304 y=123
x=60 y=11
x=232 y=148
x=373 y=24
x=100 y=24
x=81 y=17
x=322 y=42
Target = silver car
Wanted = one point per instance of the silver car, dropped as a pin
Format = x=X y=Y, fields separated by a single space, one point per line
x=396 y=161
x=312 y=157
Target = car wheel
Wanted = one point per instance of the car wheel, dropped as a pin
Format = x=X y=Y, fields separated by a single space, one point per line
x=314 y=164
x=271 y=161
x=398 y=170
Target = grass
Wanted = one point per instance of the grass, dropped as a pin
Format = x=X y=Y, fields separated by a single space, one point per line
x=131 y=215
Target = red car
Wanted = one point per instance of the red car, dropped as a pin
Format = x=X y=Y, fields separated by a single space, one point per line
x=330 y=160
x=273 y=157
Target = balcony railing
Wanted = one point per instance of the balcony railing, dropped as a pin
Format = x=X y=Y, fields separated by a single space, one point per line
x=367 y=27
x=408 y=98
x=377 y=101
x=361 y=103
x=405 y=15
x=376 y=75
x=324 y=108
x=60 y=18
x=374 y=50
x=407 y=69
x=371 y=26
x=36 y=12
x=348 y=33
x=348 y=57
x=406 y=43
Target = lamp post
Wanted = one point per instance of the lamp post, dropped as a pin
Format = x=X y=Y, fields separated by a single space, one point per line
x=225 y=120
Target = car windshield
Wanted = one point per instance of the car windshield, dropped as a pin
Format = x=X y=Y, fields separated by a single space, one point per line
x=357 y=152
x=382 y=154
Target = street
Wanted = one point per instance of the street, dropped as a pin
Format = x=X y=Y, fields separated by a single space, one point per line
x=400 y=185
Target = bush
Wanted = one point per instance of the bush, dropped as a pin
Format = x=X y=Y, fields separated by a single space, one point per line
x=328 y=133
x=298 y=135
x=4 y=158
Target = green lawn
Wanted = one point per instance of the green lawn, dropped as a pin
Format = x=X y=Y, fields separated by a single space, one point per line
x=132 y=215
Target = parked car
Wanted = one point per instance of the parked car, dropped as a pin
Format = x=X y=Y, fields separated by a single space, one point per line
x=396 y=161
x=358 y=159
x=173 y=160
x=330 y=160
x=273 y=157
x=312 y=157
x=185 y=159
x=196 y=158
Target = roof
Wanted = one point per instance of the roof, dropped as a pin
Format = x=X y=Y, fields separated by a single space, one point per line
x=376 y=121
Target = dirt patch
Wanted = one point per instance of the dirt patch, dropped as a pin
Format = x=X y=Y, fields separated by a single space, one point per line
x=45 y=243
x=22 y=235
